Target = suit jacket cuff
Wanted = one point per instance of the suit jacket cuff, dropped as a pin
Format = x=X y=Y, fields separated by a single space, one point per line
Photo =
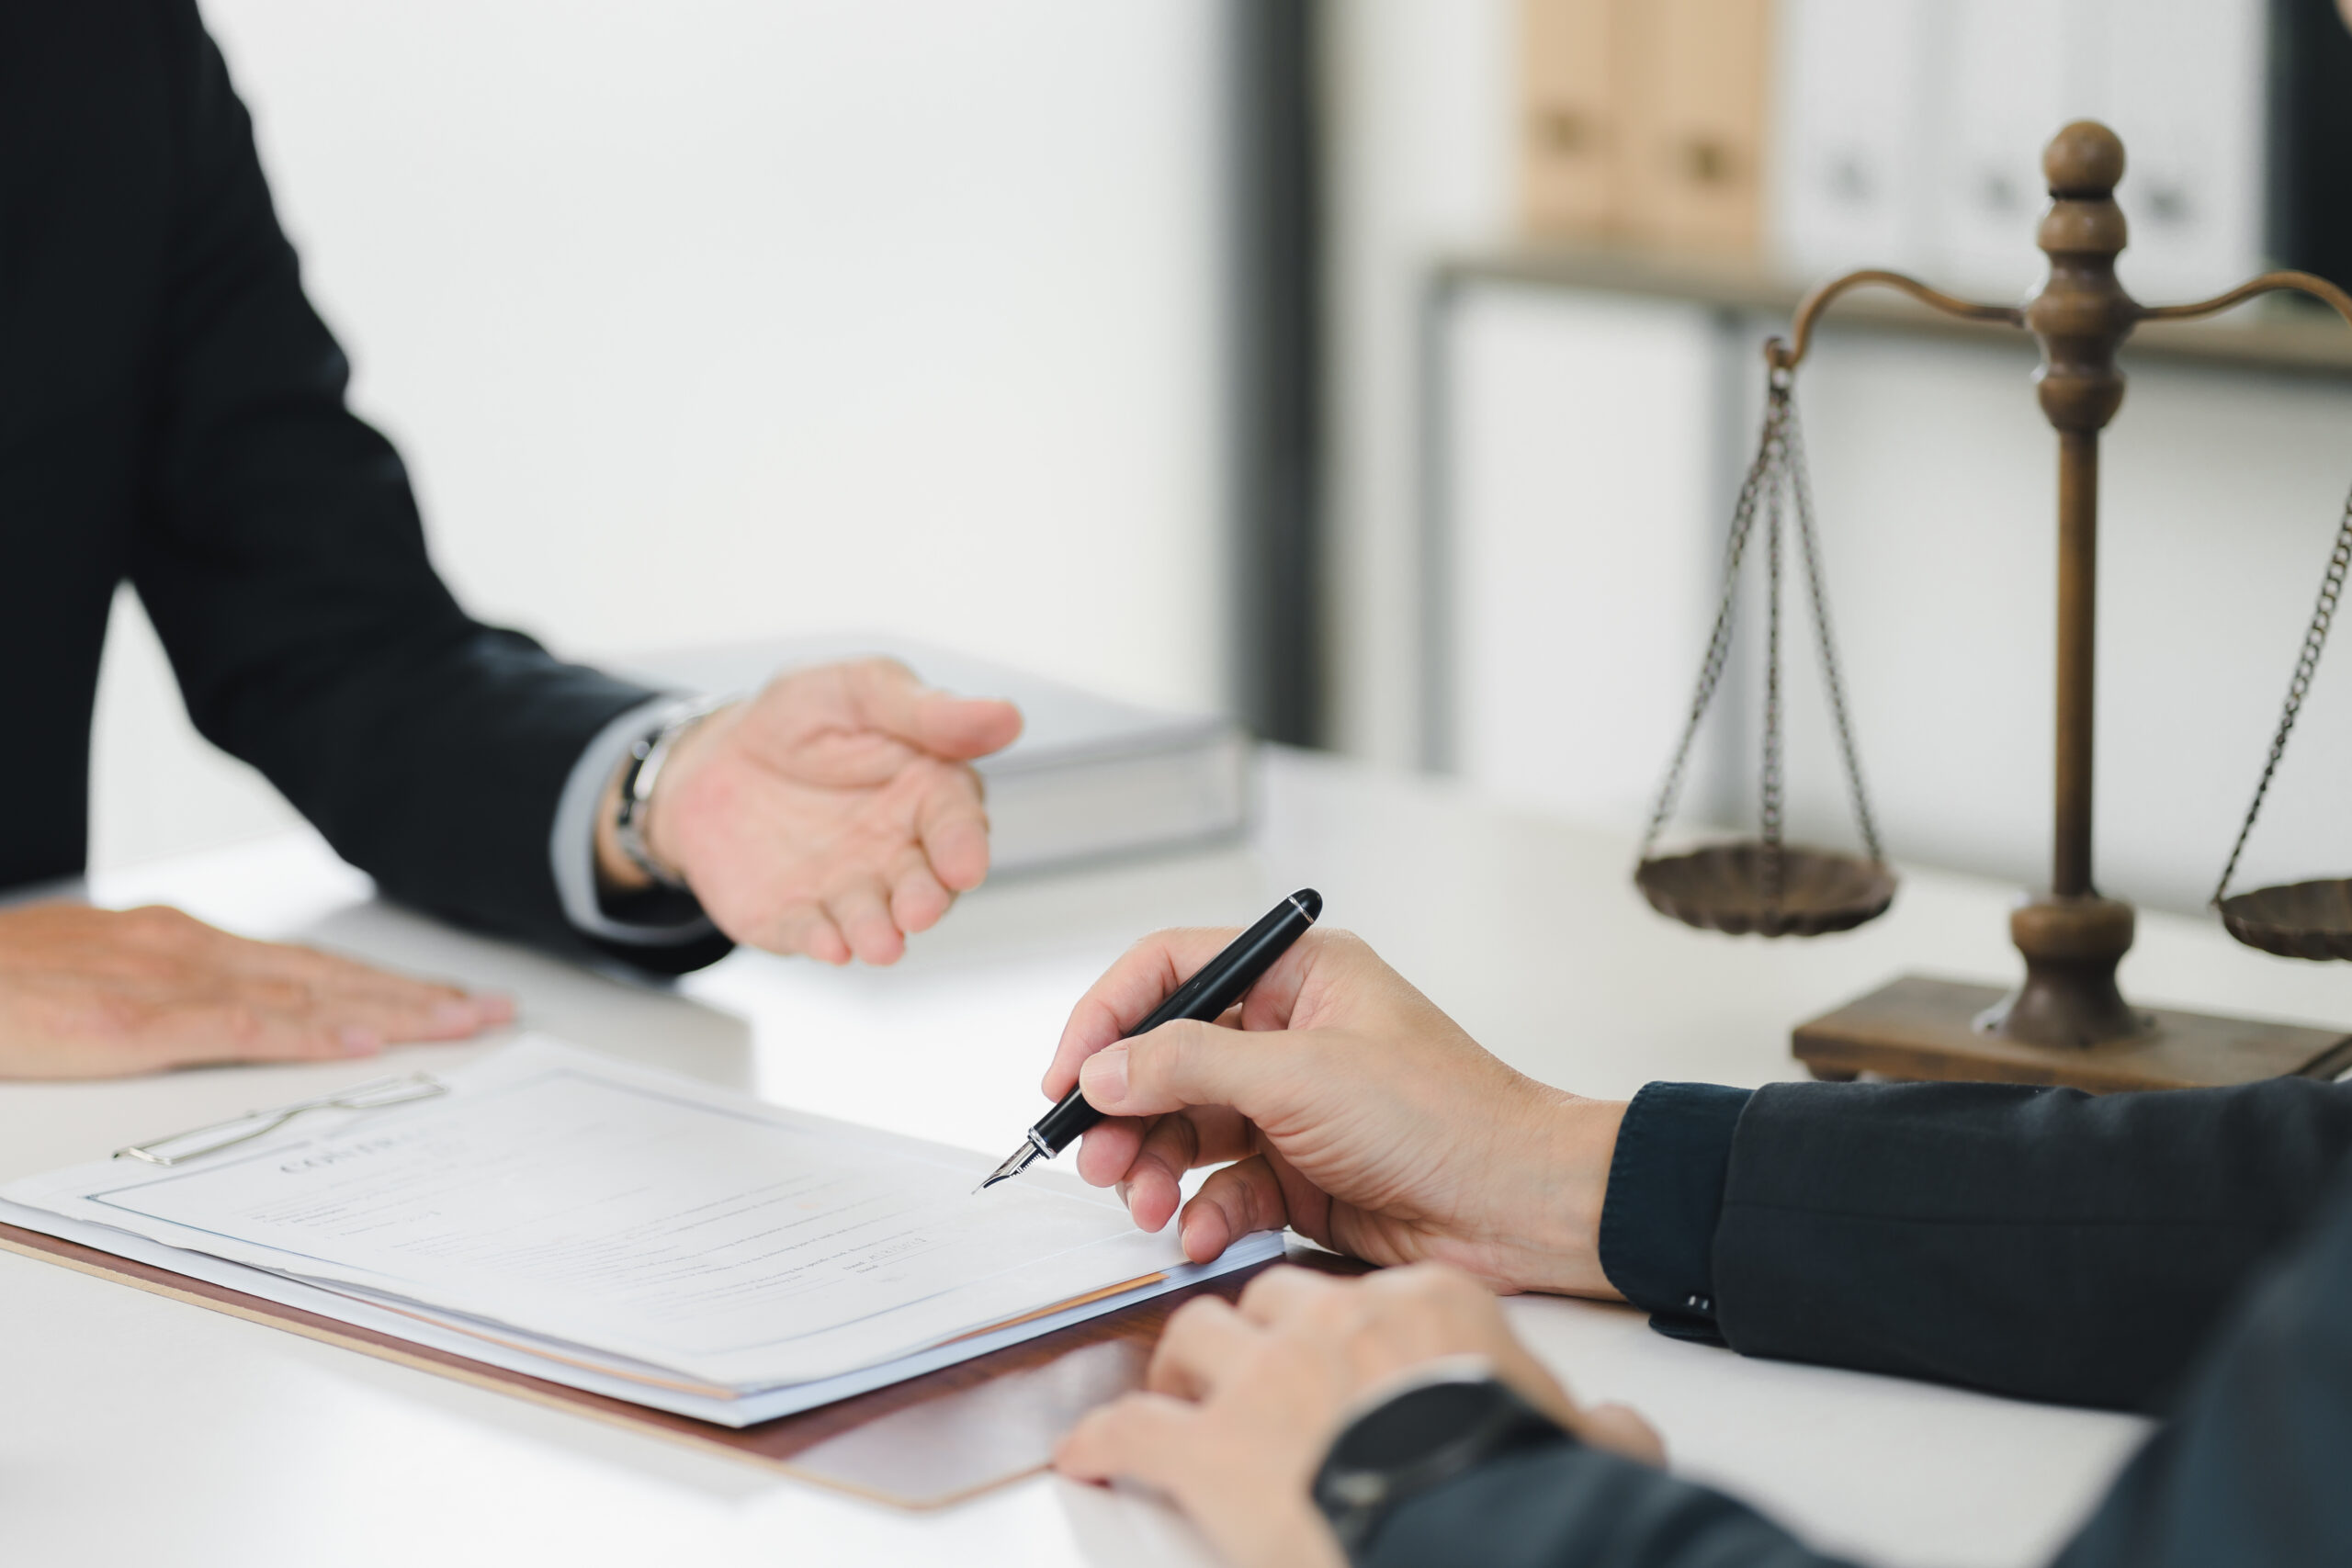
x=659 y=918
x=1665 y=1199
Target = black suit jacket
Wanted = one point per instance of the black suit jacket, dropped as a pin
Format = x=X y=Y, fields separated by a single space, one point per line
x=2188 y=1253
x=172 y=412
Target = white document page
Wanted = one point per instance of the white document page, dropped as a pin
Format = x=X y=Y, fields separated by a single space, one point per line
x=637 y=1216
x=618 y=1381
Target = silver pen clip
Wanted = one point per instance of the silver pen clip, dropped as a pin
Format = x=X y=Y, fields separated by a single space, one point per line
x=375 y=1094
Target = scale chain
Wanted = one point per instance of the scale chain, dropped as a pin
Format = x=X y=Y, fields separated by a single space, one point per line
x=1763 y=472
x=1775 y=505
x=1800 y=484
x=2331 y=590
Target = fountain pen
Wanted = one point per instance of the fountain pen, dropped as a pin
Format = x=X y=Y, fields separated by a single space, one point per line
x=1222 y=981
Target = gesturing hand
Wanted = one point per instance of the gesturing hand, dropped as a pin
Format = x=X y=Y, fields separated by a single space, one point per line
x=101 y=993
x=835 y=814
x=1241 y=1403
x=1354 y=1111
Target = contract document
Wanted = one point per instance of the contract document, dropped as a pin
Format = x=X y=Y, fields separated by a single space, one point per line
x=612 y=1227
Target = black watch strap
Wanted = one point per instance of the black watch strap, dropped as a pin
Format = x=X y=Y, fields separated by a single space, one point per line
x=1449 y=1420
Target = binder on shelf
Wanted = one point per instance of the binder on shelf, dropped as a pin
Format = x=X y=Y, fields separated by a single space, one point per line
x=1695 y=122
x=1853 y=88
x=1572 y=66
x=1644 y=120
x=2182 y=82
x=1091 y=777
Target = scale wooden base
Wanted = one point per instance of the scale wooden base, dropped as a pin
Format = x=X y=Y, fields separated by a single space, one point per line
x=1924 y=1028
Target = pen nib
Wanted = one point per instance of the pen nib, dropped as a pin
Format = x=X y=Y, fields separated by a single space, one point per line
x=1014 y=1164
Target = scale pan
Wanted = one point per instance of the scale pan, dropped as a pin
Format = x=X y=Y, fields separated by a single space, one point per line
x=2300 y=919
x=1721 y=889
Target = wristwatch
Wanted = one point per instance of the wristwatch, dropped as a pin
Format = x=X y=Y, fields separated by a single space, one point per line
x=1450 y=1416
x=646 y=756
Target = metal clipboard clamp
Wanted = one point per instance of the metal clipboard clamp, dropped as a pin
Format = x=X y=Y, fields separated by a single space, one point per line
x=375 y=1094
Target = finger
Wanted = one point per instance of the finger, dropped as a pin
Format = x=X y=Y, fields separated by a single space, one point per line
x=1108 y=1150
x=953 y=829
x=1238 y=1200
x=1621 y=1427
x=886 y=694
x=860 y=910
x=1280 y=1294
x=1184 y=1063
x=417 y=1008
x=1219 y=1135
x=1142 y=1437
x=808 y=929
x=1204 y=1342
x=917 y=899
x=193 y=1033
x=420 y=1018
x=1145 y=975
x=374 y=1017
x=1172 y=1146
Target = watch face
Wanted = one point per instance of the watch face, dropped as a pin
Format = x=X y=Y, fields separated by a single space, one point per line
x=1417 y=1424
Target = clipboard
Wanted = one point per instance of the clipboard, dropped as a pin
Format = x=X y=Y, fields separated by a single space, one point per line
x=924 y=1443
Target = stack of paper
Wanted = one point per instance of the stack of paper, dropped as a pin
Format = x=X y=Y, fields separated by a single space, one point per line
x=630 y=1233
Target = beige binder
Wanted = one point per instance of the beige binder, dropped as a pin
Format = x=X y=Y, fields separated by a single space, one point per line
x=1572 y=78
x=1696 y=129
x=1644 y=120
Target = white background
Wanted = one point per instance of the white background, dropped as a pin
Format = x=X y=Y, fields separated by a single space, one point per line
x=708 y=320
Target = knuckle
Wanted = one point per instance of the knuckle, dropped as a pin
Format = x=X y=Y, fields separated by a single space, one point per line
x=1197 y=1314
x=161 y=925
x=114 y=1016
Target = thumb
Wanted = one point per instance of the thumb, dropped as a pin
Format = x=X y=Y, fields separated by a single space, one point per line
x=889 y=697
x=1187 y=1063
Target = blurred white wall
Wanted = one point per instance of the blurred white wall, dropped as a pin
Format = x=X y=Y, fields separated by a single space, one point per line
x=1419 y=110
x=717 y=319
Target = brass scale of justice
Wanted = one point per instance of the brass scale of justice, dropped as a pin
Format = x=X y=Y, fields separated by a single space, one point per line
x=2067 y=1023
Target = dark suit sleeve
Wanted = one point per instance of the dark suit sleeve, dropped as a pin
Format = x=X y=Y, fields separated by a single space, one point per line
x=1571 y=1507
x=281 y=559
x=2040 y=1243
x=2249 y=1472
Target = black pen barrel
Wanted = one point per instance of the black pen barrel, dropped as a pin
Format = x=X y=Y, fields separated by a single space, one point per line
x=1222 y=981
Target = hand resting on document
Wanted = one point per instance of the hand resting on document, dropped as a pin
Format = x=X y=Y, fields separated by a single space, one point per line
x=835 y=814
x=1353 y=1110
x=102 y=993
x=1241 y=1403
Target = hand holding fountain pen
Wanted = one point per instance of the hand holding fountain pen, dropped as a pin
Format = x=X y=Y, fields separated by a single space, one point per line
x=1222 y=981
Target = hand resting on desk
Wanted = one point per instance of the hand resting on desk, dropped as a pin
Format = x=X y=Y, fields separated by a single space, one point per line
x=103 y=993
x=1241 y=1403
x=1353 y=1110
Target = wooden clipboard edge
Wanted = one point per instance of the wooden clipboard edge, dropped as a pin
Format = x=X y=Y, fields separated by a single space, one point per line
x=521 y=1385
x=682 y=1430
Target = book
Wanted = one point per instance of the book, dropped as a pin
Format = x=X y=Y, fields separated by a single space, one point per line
x=1090 y=776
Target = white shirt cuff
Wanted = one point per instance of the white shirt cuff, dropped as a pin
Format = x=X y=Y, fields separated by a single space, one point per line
x=572 y=847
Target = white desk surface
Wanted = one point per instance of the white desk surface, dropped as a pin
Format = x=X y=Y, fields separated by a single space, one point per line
x=137 y=1429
